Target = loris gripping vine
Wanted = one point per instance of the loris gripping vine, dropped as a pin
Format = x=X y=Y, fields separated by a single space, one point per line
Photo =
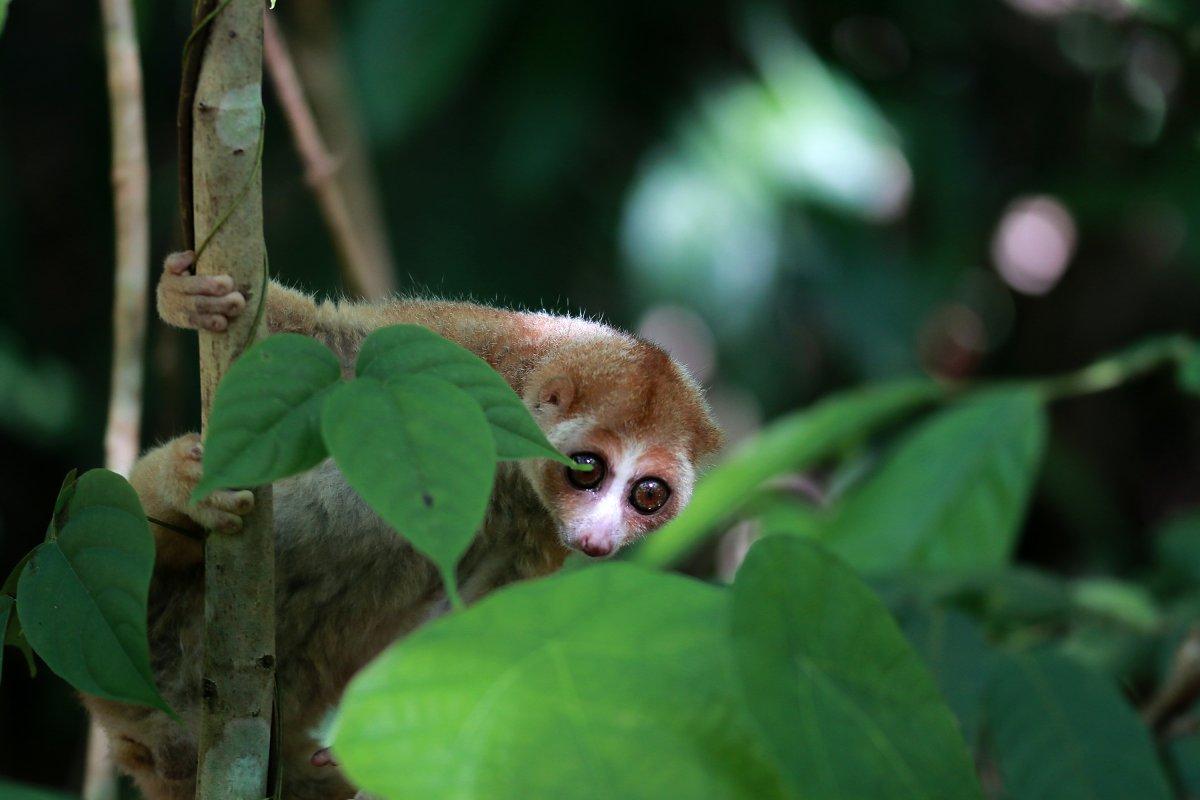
x=346 y=585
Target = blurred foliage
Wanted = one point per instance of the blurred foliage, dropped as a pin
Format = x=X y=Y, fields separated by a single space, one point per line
x=836 y=192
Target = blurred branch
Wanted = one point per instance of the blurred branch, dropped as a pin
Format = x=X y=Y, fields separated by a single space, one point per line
x=130 y=180
x=316 y=46
x=193 y=54
x=239 y=590
x=1175 y=698
x=1110 y=372
x=365 y=275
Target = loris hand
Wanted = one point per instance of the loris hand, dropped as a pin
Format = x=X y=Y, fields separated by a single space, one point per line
x=201 y=302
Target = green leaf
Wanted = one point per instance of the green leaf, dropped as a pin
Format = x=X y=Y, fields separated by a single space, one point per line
x=11 y=633
x=14 y=636
x=3 y=13
x=1125 y=604
x=65 y=492
x=266 y=415
x=82 y=596
x=398 y=351
x=953 y=494
x=1061 y=732
x=23 y=791
x=10 y=583
x=608 y=682
x=955 y=652
x=102 y=488
x=844 y=701
x=420 y=453
x=792 y=443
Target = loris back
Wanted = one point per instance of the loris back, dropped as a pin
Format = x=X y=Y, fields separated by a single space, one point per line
x=347 y=585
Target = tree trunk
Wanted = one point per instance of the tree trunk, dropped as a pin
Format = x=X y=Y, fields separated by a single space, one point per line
x=239 y=643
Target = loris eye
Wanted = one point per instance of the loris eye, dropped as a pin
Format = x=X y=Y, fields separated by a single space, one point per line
x=587 y=480
x=649 y=495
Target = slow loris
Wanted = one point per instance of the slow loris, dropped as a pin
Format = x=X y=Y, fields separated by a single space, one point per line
x=347 y=585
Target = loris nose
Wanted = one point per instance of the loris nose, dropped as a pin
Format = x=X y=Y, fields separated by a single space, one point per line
x=594 y=546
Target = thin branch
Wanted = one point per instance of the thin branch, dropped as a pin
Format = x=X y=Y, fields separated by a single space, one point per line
x=316 y=46
x=130 y=180
x=364 y=276
x=239 y=591
x=193 y=54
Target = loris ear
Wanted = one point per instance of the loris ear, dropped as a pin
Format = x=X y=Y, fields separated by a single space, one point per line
x=709 y=438
x=555 y=394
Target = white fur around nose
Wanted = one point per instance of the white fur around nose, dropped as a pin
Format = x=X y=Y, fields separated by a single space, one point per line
x=605 y=520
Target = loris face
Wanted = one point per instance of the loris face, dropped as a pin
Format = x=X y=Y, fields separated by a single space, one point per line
x=626 y=409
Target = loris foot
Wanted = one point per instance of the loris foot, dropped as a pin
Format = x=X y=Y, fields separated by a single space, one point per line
x=220 y=511
x=204 y=302
x=165 y=477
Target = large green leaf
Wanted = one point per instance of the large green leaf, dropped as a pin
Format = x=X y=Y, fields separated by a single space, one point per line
x=955 y=652
x=845 y=703
x=792 y=443
x=608 y=682
x=953 y=494
x=266 y=415
x=1061 y=732
x=398 y=351
x=82 y=596
x=419 y=451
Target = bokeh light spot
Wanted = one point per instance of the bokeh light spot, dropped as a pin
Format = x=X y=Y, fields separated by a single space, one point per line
x=1033 y=244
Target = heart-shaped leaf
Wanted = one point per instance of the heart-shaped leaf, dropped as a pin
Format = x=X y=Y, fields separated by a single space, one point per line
x=953 y=494
x=82 y=596
x=398 y=351
x=608 y=682
x=419 y=451
x=265 y=422
x=844 y=702
x=1060 y=731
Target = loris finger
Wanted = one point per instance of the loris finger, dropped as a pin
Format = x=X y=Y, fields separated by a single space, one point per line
x=215 y=520
x=179 y=263
x=229 y=305
x=212 y=285
x=234 y=501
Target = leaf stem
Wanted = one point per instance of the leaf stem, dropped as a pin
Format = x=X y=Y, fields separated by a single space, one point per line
x=450 y=581
x=1110 y=372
